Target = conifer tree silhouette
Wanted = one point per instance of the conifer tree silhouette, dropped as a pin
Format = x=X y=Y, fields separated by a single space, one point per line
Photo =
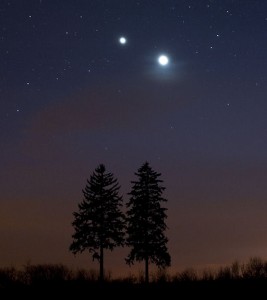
x=146 y=221
x=99 y=224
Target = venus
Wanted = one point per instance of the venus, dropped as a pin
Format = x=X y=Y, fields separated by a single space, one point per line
x=163 y=60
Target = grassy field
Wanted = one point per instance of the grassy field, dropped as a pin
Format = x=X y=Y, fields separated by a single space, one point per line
x=238 y=279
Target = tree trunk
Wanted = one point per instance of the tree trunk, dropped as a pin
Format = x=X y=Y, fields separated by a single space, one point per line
x=146 y=271
x=101 y=265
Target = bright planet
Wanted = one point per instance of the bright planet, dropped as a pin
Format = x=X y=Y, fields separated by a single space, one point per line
x=163 y=60
x=122 y=40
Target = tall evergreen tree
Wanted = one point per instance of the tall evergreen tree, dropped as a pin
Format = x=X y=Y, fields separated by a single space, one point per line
x=99 y=224
x=146 y=221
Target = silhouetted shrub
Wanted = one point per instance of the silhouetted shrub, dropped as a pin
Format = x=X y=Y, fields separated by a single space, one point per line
x=236 y=270
x=224 y=273
x=207 y=275
x=256 y=268
x=46 y=273
x=160 y=276
x=84 y=275
x=8 y=277
x=188 y=275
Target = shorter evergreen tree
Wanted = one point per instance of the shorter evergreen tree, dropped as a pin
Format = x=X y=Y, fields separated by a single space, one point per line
x=99 y=224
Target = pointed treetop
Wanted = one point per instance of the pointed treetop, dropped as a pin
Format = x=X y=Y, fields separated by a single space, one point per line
x=101 y=168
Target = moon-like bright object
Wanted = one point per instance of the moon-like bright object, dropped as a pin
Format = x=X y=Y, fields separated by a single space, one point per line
x=122 y=40
x=163 y=60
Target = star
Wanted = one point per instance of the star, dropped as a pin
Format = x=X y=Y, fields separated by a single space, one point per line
x=122 y=40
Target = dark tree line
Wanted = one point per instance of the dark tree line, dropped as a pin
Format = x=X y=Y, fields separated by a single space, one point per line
x=101 y=225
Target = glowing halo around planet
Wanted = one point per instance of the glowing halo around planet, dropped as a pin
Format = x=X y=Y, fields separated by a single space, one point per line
x=163 y=60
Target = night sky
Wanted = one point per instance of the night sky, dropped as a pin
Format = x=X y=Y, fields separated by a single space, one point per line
x=72 y=97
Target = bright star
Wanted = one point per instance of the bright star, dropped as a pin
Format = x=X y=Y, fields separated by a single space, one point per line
x=122 y=40
x=163 y=60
